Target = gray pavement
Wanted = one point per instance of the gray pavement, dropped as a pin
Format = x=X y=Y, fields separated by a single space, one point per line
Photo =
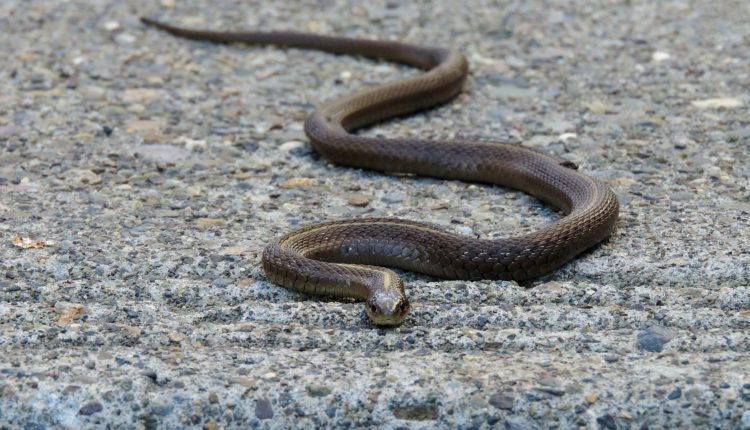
x=141 y=176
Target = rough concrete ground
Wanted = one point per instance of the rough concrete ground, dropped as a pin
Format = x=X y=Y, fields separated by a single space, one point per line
x=141 y=176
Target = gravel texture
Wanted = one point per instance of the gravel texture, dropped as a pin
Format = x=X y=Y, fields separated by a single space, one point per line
x=141 y=176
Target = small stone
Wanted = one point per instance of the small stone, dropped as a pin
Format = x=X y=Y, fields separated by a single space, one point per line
x=746 y=419
x=11 y=130
x=681 y=196
x=510 y=92
x=551 y=390
x=249 y=383
x=297 y=183
x=291 y=145
x=675 y=394
x=359 y=200
x=464 y=230
x=596 y=106
x=145 y=126
x=93 y=92
x=659 y=56
x=519 y=423
x=591 y=398
x=162 y=153
x=175 y=337
x=24 y=242
x=111 y=25
x=150 y=374
x=90 y=408
x=502 y=401
x=161 y=408
x=125 y=39
x=417 y=412
x=315 y=390
x=625 y=182
x=234 y=250
x=243 y=175
x=721 y=102
x=210 y=222
x=654 y=338
x=193 y=145
x=394 y=197
x=539 y=140
x=607 y=422
x=9 y=287
x=68 y=313
x=213 y=398
x=141 y=95
x=81 y=177
x=194 y=191
x=263 y=409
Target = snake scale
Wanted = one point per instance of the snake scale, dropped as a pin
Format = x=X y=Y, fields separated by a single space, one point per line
x=344 y=259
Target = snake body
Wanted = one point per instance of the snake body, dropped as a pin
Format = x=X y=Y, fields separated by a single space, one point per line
x=343 y=259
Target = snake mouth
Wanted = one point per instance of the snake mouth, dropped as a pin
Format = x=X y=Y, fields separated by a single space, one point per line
x=388 y=314
x=386 y=320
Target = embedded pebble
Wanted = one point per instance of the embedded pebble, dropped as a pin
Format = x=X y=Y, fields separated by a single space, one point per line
x=263 y=409
x=10 y=130
x=394 y=197
x=145 y=126
x=360 y=200
x=291 y=145
x=111 y=25
x=79 y=177
x=659 y=56
x=318 y=390
x=297 y=183
x=720 y=102
x=90 y=408
x=162 y=153
x=654 y=338
x=141 y=95
x=416 y=412
x=502 y=401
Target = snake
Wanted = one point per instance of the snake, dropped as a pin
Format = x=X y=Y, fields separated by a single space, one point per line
x=352 y=259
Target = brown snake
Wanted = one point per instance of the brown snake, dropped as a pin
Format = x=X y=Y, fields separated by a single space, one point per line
x=340 y=258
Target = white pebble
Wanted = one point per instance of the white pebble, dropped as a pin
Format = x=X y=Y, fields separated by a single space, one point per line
x=111 y=25
x=720 y=102
x=125 y=39
x=659 y=56
x=193 y=144
x=566 y=136
x=291 y=145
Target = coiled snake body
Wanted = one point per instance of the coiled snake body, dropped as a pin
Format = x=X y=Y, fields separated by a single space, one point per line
x=341 y=259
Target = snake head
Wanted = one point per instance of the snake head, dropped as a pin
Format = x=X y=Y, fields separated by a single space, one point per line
x=388 y=308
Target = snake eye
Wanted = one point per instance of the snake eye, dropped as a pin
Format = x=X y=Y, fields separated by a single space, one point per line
x=373 y=308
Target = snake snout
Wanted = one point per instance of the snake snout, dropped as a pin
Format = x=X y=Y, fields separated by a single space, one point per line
x=387 y=309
